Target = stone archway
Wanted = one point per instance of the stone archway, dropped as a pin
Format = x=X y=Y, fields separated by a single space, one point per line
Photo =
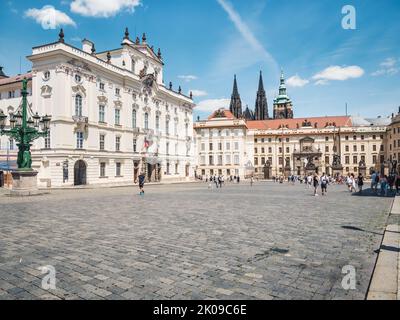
x=80 y=169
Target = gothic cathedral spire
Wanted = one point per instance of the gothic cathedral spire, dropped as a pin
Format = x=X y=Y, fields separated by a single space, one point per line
x=261 y=109
x=236 y=104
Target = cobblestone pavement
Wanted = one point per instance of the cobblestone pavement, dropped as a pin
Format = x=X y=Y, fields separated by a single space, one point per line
x=269 y=241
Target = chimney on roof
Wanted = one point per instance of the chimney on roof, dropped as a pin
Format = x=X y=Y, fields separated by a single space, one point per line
x=87 y=46
x=2 y=74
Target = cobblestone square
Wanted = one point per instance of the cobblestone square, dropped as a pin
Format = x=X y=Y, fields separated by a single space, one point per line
x=185 y=241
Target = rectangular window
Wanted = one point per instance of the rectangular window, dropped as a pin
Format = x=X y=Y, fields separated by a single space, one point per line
x=326 y=160
x=102 y=169
x=220 y=146
x=220 y=160
x=346 y=148
x=11 y=144
x=118 y=169
x=167 y=127
x=354 y=159
x=167 y=148
x=347 y=160
x=228 y=146
x=362 y=148
x=79 y=140
x=134 y=145
x=203 y=147
x=374 y=147
x=236 y=159
x=236 y=145
x=101 y=86
x=47 y=141
x=101 y=113
x=117 y=117
x=211 y=147
x=255 y=150
x=256 y=161
x=355 y=148
x=211 y=160
x=373 y=159
x=269 y=149
x=326 y=148
x=117 y=143
x=102 y=141
x=117 y=91
x=228 y=159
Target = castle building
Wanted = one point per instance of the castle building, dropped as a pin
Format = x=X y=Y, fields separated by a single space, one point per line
x=112 y=115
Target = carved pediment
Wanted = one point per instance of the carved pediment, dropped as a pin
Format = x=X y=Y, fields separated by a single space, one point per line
x=118 y=104
x=79 y=64
x=102 y=99
x=79 y=89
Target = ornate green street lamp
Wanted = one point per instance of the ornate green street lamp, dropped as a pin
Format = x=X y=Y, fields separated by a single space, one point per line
x=25 y=130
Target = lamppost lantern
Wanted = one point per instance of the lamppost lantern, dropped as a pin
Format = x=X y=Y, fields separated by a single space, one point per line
x=18 y=119
x=12 y=121
x=24 y=128
x=30 y=123
x=36 y=119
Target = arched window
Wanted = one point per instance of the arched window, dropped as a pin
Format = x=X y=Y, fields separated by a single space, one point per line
x=78 y=105
x=146 y=120
x=133 y=118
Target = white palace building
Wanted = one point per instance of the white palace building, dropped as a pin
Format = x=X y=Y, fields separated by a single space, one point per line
x=112 y=115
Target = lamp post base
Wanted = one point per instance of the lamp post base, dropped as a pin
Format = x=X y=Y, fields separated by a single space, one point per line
x=24 y=183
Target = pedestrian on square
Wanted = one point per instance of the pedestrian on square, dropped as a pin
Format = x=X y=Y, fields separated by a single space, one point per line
x=324 y=184
x=360 y=183
x=141 y=183
x=316 y=184
x=309 y=181
x=251 y=181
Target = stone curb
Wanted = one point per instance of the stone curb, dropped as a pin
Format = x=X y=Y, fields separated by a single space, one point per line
x=385 y=283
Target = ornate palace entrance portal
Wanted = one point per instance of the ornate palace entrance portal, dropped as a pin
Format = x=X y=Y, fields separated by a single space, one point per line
x=80 y=173
x=307 y=159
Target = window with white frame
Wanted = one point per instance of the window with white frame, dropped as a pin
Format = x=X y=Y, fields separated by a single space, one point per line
x=102 y=86
x=157 y=122
x=11 y=144
x=78 y=105
x=118 y=169
x=102 y=141
x=117 y=117
x=134 y=119
x=47 y=141
x=79 y=140
x=102 y=113
x=134 y=145
x=236 y=145
x=236 y=159
x=102 y=169
x=167 y=127
x=176 y=128
x=186 y=130
x=117 y=143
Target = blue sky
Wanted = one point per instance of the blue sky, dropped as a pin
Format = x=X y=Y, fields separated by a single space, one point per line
x=204 y=43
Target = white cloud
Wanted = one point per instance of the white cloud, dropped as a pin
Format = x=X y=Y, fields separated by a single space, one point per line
x=49 y=17
x=211 y=105
x=338 y=73
x=296 y=81
x=245 y=31
x=388 y=67
x=187 y=78
x=102 y=8
x=198 y=93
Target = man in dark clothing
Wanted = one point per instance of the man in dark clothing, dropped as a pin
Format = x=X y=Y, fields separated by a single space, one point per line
x=141 y=183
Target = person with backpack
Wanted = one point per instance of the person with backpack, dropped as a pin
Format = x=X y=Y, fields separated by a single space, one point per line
x=324 y=184
x=316 y=184
x=142 y=178
x=360 y=182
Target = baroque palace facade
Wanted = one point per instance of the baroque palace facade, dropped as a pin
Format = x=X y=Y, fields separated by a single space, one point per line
x=112 y=115
x=284 y=145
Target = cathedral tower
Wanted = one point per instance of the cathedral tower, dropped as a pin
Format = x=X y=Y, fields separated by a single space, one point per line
x=236 y=104
x=261 y=109
x=283 y=108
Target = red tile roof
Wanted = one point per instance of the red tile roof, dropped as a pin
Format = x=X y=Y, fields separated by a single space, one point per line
x=228 y=115
x=17 y=78
x=321 y=122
